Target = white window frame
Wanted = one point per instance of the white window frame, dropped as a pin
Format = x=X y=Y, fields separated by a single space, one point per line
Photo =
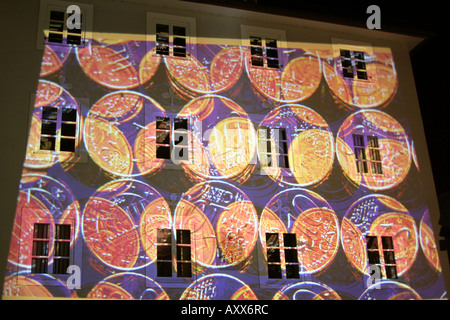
x=266 y=33
x=189 y=23
x=87 y=11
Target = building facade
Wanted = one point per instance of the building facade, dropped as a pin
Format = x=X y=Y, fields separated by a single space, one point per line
x=184 y=151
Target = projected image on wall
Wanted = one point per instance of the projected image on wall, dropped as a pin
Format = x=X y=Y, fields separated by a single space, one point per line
x=226 y=172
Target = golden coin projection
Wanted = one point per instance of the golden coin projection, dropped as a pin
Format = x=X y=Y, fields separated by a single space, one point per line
x=376 y=227
x=218 y=287
x=306 y=290
x=223 y=224
x=117 y=64
x=428 y=243
x=128 y=286
x=295 y=82
x=120 y=134
x=373 y=150
x=174 y=165
x=302 y=220
x=218 y=71
x=361 y=79
x=295 y=146
x=110 y=221
x=227 y=141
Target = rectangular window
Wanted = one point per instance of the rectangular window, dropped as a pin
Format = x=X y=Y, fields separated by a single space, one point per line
x=282 y=250
x=368 y=158
x=171 y=40
x=264 y=52
x=353 y=64
x=383 y=259
x=172 y=138
x=58 y=129
x=164 y=265
x=60 y=33
x=41 y=249
x=273 y=147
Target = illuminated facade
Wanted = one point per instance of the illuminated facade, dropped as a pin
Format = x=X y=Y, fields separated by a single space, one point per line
x=176 y=163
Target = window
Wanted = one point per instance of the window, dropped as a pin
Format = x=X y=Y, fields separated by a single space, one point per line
x=174 y=36
x=172 y=139
x=60 y=33
x=370 y=162
x=264 y=52
x=41 y=253
x=58 y=129
x=353 y=64
x=279 y=245
x=171 y=40
x=273 y=145
x=164 y=253
x=388 y=268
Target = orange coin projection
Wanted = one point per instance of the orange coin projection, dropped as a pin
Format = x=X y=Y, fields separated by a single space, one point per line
x=115 y=223
x=223 y=224
x=225 y=139
x=295 y=146
x=379 y=216
x=306 y=290
x=218 y=287
x=361 y=79
x=42 y=199
x=295 y=82
x=117 y=64
x=219 y=70
x=119 y=134
x=53 y=59
x=373 y=150
x=52 y=104
x=428 y=242
x=312 y=220
x=128 y=286
x=36 y=287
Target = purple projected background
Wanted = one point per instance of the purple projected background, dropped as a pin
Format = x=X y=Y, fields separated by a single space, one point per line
x=115 y=193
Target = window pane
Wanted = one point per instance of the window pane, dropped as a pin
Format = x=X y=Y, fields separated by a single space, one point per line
x=73 y=39
x=180 y=139
x=68 y=129
x=40 y=248
x=372 y=142
x=257 y=61
x=180 y=42
x=69 y=114
x=164 y=252
x=290 y=240
x=387 y=243
x=255 y=41
x=273 y=255
x=60 y=265
x=272 y=240
x=55 y=37
x=184 y=269
x=271 y=43
x=162 y=123
x=256 y=51
x=67 y=145
x=57 y=15
x=180 y=124
x=62 y=231
x=62 y=248
x=359 y=55
x=164 y=269
x=162 y=28
x=49 y=113
x=347 y=73
x=273 y=63
x=41 y=230
x=345 y=53
x=292 y=271
x=362 y=75
x=291 y=255
x=183 y=253
x=39 y=265
x=48 y=127
x=389 y=257
x=164 y=236
x=360 y=65
x=179 y=31
x=162 y=152
x=183 y=236
x=391 y=272
x=346 y=63
x=274 y=270
x=162 y=137
x=272 y=53
x=374 y=257
x=372 y=243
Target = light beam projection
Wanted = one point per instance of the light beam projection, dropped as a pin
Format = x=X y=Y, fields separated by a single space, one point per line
x=216 y=175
